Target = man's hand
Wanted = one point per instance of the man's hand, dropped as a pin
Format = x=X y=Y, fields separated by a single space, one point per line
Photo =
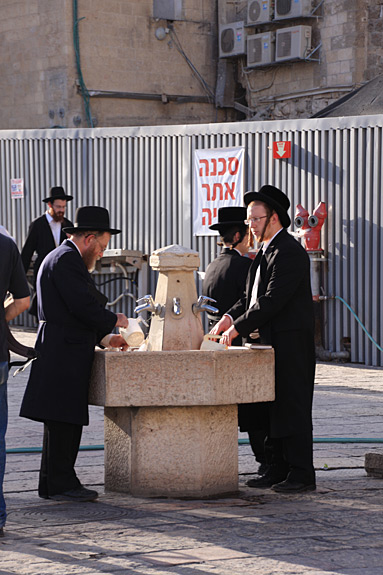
x=118 y=342
x=14 y=307
x=223 y=324
x=122 y=320
x=228 y=336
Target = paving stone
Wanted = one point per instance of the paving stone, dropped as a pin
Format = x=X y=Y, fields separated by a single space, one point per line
x=333 y=531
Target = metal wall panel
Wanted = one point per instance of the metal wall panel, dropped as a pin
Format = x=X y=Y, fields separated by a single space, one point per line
x=144 y=176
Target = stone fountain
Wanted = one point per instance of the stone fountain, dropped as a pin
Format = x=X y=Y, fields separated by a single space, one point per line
x=171 y=411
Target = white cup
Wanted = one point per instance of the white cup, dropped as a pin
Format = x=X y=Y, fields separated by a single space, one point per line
x=133 y=334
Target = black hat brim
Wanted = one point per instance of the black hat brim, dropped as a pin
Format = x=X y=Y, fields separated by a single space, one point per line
x=52 y=199
x=90 y=228
x=224 y=225
x=259 y=197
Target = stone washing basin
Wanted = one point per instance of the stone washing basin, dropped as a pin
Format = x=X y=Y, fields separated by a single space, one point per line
x=171 y=417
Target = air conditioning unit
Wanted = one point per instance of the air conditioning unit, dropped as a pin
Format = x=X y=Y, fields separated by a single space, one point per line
x=259 y=11
x=260 y=49
x=232 y=39
x=292 y=43
x=292 y=8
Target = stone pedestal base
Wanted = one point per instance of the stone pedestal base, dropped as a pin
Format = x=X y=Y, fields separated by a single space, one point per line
x=172 y=451
x=171 y=425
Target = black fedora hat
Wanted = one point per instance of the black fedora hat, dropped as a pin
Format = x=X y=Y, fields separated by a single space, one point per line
x=91 y=218
x=57 y=193
x=229 y=216
x=274 y=198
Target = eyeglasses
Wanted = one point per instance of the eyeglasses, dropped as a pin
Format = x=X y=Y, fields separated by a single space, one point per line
x=252 y=221
x=102 y=248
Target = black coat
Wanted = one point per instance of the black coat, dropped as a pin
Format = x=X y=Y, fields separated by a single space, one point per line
x=72 y=321
x=225 y=279
x=40 y=240
x=284 y=316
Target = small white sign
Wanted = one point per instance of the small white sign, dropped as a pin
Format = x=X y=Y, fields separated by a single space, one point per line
x=17 y=188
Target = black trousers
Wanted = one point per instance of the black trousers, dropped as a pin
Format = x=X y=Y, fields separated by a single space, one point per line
x=61 y=443
x=293 y=455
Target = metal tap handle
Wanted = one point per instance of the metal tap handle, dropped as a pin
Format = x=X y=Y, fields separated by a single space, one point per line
x=204 y=299
x=146 y=299
x=203 y=305
x=149 y=305
x=177 y=306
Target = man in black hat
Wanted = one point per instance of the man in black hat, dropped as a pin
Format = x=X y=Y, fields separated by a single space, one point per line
x=225 y=281
x=225 y=277
x=72 y=320
x=277 y=308
x=46 y=233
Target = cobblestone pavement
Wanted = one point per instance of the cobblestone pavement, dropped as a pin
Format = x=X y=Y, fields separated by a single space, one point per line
x=335 y=530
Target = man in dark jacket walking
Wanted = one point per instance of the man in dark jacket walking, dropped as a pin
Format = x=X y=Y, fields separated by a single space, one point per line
x=73 y=320
x=277 y=306
x=46 y=233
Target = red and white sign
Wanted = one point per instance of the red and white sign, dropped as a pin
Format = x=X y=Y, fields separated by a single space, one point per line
x=218 y=183
x=281 y=150
x=17 y=188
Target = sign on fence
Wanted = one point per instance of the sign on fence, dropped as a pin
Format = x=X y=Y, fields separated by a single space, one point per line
x=218 y=182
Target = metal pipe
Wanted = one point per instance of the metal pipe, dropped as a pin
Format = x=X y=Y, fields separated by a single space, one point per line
x=164 y=98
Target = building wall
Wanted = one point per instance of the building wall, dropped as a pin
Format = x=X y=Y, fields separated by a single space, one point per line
x=131 y=78
x=36 y=77
x=119 y=53
x=351 y=53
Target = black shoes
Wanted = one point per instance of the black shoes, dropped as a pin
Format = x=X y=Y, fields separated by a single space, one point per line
x=80 y=494
x=1 y=531
x=289 y=486
x=263 y=468
x=271 y=477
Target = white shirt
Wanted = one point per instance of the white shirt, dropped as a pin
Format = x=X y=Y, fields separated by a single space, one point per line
x=257 y=278
x=55 y=228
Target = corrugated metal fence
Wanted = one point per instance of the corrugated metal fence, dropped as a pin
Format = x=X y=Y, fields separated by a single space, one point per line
x=144 y=177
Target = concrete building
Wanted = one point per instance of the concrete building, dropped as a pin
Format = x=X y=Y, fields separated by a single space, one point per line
x=302 y=55
x=83 y=63
x=87 y=63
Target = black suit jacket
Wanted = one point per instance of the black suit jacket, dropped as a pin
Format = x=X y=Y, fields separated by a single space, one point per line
x=72 y=320
x=284 y=316
x=225 y=279
x=40 y=240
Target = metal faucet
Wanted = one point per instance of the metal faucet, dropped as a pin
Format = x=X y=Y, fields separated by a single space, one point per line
x=177 y=306
x=148 y=304
x=202 y=305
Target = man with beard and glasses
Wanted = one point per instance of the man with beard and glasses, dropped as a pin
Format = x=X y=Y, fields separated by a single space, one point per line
x=45 y=234
x=72 y=320
x=277 y=309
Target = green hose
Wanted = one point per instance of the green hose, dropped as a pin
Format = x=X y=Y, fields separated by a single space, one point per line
x=39 y=449
x=334 y=440
x=240 y=442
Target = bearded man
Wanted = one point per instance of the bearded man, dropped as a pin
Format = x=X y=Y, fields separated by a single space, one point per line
x=72 y=320
x=45 y=234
